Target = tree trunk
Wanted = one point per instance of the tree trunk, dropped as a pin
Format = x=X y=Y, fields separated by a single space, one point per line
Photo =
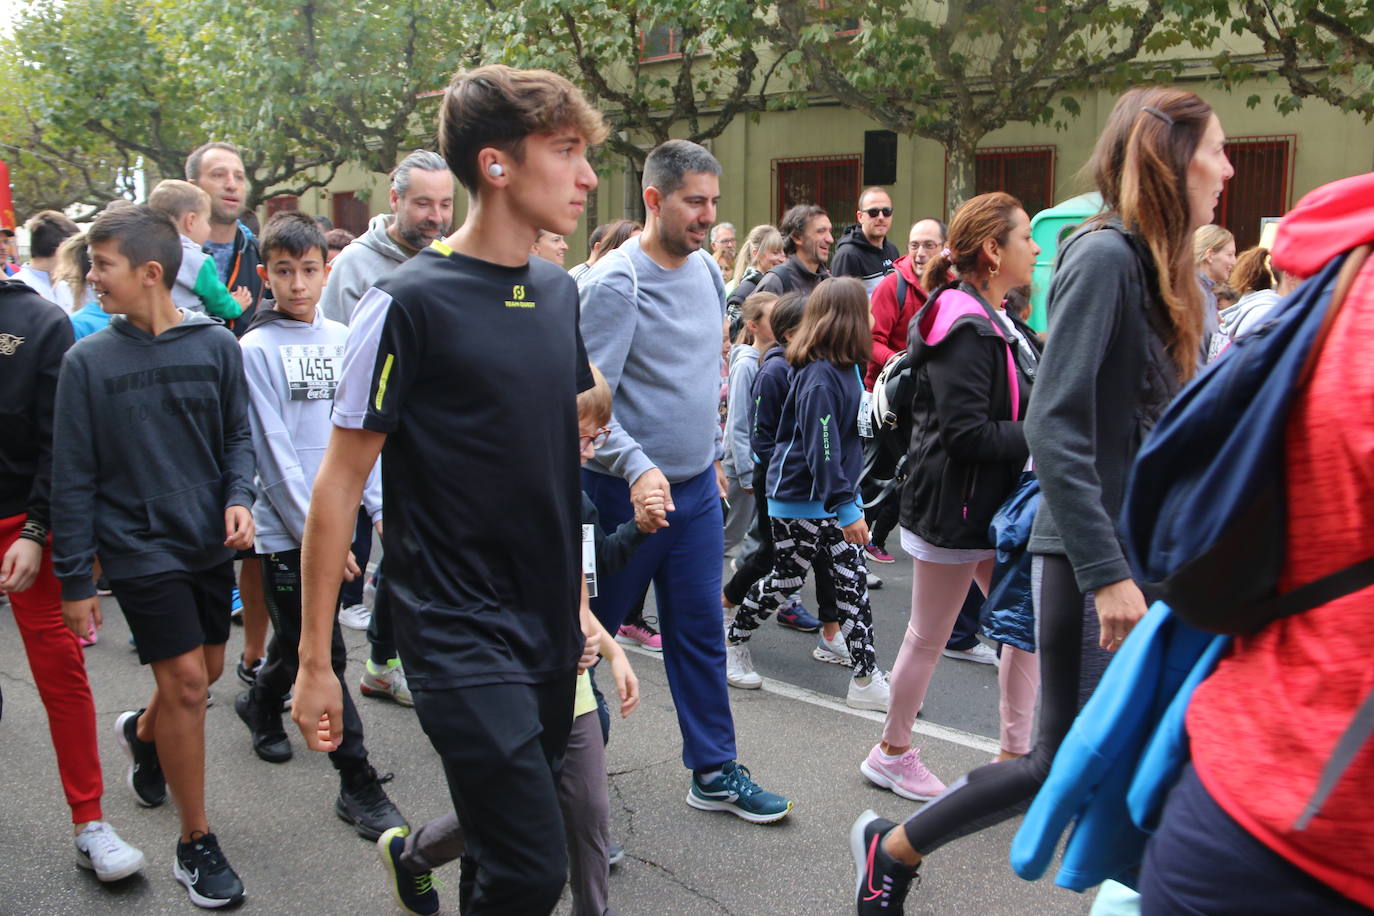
x=962 y=171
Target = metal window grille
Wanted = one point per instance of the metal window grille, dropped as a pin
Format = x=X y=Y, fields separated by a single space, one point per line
x=831 y=182
x=1262 y=185
x=1024 y=172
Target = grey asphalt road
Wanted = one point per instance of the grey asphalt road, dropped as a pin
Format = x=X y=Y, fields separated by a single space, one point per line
x=277 y=825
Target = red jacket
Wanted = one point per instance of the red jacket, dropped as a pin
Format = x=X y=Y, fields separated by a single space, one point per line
x=889 y=321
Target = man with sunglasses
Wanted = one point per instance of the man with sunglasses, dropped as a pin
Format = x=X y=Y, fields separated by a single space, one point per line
x=864 y=250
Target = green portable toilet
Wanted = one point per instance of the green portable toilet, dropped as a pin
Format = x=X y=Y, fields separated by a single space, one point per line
x=1049 y=228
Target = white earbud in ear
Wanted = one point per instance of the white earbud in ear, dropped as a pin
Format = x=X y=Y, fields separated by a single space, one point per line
x=495 y=170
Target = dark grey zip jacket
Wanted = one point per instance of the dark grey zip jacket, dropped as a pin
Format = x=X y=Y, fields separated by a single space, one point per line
x=1104 y=379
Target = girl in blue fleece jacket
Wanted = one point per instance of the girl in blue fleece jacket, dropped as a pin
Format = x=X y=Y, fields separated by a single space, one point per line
x=813 y=482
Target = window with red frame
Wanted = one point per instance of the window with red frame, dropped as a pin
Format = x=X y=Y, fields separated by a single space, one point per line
x=1261 y=186
x=660 y=42
x=1024 y=172
x=830 y=182
x=282 y=203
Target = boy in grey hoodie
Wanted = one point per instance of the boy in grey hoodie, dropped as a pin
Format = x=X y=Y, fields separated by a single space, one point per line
x=293 y=357
x=152 y=470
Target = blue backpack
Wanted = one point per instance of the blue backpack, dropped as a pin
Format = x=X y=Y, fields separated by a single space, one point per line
x=1204 y=522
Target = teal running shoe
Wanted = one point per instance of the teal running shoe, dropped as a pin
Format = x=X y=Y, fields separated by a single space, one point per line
x=735 y=792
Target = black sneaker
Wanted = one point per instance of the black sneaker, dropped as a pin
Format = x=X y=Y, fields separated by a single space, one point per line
x=414 y=892
x=205 y=872
x=269 y=737
x=249 y=675
x=364 y=804
x=145 y=772
x=882 y=882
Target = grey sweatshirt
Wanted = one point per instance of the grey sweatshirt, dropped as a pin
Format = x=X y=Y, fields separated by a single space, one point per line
x=359 y=266
x=660 y=353
x=738 y=460
x=292 y=369
x=151 y=445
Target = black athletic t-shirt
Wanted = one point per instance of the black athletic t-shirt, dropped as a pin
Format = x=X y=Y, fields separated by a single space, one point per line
x=473 y=370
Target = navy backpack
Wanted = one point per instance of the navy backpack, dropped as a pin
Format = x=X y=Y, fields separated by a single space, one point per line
x=1204 y=522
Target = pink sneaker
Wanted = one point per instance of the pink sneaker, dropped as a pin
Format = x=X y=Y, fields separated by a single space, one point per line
x=907 y=775
x=91 y=638
x=641 y=635
x=877 y=554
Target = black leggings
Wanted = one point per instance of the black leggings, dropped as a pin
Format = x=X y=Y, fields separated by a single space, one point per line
x=759 y=562
x=1070 y=666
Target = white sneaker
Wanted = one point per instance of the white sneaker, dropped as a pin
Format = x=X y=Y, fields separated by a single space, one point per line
x=388 y=682
x=739 y=669
x=355 y=617
x=101 y=850
x=979 y=653
x=870 y=692
x=874 y=582
x=832 y=651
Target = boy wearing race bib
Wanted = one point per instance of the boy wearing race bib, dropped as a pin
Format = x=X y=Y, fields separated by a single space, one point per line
x=292 y=357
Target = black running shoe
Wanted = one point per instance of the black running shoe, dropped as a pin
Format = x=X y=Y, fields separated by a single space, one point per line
x=414 y=892
x=881 y=882
x=264 y=724
x=145 y=772
x=364 y=804
x=203 y=869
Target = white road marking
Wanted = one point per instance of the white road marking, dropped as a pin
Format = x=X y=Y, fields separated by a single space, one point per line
x=825 y=701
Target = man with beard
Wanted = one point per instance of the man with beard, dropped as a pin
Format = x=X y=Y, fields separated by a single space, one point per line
x=651 y=317
x=217 y=169
x=865 y=251
x=421 y=211
x=806 y=239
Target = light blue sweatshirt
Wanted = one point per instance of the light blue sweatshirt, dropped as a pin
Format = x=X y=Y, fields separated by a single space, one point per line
x=292 y=369
x=739 y=460
x=660 y=353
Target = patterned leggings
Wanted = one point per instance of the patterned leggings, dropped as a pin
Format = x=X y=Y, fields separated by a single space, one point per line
x=798 y=544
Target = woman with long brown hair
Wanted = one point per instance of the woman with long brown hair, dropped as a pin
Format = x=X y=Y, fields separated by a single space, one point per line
x=1126 y=326
x=973 y=366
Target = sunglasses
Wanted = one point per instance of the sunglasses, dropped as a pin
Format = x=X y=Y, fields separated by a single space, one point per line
x=874 y=212
x=598 y=438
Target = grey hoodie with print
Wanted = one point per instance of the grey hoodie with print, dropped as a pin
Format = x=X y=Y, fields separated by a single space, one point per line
x=365 y=260
x=151 y=445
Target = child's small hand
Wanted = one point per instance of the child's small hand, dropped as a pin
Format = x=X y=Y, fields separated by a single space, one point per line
x=238 y=528
x=626 y=684
x=242 y=296
x=80 y=616
x=589 y=653
x=856 y=532
x=351 y=570
x=656 y=506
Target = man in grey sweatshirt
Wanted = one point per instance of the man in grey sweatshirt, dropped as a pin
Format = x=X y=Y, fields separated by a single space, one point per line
x=421 y=211
x=652 y=314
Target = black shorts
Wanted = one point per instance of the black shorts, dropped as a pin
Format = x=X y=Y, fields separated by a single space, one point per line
x=171 y=613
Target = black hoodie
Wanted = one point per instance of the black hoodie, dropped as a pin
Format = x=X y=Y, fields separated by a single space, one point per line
x=34 y=334
x=856 y=256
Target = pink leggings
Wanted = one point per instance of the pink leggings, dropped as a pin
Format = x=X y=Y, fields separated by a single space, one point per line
x=938 y=591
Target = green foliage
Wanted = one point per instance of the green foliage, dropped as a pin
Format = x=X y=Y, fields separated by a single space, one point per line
x=954 y=70
x=695 y=91
x=302 y=87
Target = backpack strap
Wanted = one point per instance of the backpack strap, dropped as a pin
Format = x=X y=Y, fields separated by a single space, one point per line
x=901 y=294
x=1359 y=730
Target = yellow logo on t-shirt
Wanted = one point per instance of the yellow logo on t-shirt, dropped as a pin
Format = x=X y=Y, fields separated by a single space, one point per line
x=517 y=299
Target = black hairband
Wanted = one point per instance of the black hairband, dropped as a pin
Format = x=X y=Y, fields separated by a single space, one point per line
x=1159 y=114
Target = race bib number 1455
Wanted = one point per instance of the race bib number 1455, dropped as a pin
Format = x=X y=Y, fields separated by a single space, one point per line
x=312 y=370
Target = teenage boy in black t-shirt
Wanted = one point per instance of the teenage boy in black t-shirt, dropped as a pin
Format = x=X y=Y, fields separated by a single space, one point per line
x=466 y=363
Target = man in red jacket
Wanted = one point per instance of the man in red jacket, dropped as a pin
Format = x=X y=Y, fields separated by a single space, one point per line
x=891 y=317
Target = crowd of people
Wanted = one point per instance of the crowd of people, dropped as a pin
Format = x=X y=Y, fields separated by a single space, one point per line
x=209 y=422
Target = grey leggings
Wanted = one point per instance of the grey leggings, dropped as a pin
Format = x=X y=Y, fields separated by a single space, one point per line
x=582 y=795
x=1071 y=664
